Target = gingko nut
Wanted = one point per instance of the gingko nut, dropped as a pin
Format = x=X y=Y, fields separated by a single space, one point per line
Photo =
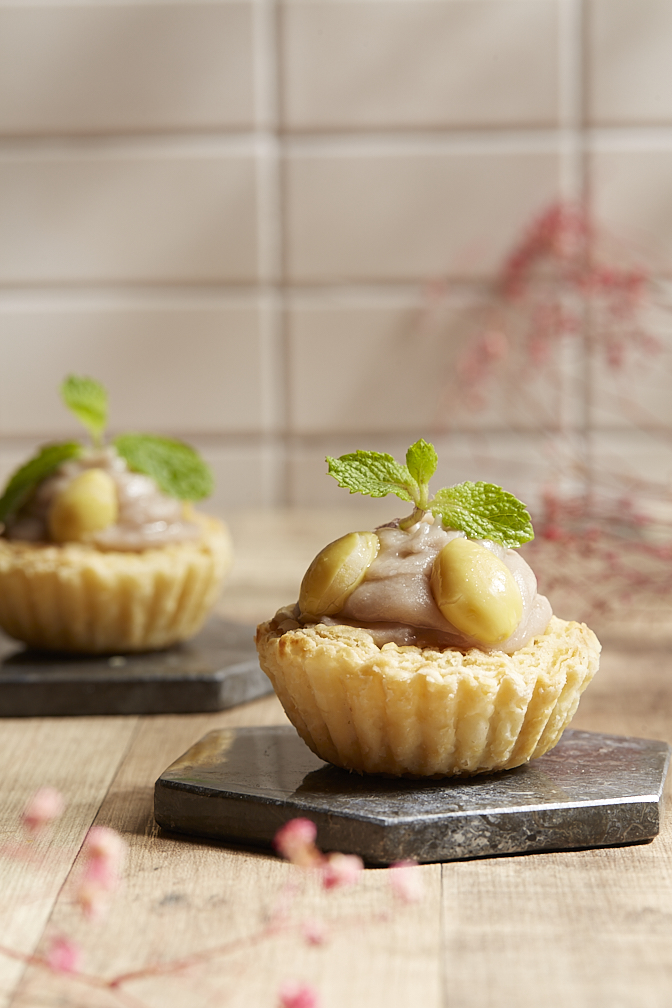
x=87 y=504
x=476 y=591
x=335 y=573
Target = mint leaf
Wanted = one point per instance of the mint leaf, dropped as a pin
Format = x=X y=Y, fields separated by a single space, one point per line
x=374 y=474
x=481 y=510
x=87 y=399
x=421 y=459
x=484 y=511
x=25 y=479
x=176 y=467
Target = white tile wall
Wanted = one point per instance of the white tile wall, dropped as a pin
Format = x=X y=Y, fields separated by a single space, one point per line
x=410 y=215
x=630 y=54
x=228 y=211
x=109 y=215
x=106 y=68
x=417 y=64
x=632 y=194
x=184 y=369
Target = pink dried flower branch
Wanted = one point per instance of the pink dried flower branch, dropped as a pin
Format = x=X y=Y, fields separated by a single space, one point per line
x=103 y=853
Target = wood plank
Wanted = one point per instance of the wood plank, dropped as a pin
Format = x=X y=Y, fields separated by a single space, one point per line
x=586 y=928
x=590 y=929
x=183 y=896
x=79 y=757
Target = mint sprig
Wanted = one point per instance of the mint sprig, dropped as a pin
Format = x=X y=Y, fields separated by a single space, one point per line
x=480 y=510
x=24 y=480
x=87 y=399
x=176 y=467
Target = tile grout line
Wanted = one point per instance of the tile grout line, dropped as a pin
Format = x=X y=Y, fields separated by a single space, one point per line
x=383 y=142
x=574 y=435
x=269 y=235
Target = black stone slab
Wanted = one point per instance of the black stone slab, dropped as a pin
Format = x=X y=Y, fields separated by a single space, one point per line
x=243 y=784
x=216 y=669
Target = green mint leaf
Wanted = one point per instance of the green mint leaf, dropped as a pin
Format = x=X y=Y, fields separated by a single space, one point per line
x=87 y=399
x=422 y=460
x=374 y=474
x=177 y=468
x=22 y=482
x=484 y=511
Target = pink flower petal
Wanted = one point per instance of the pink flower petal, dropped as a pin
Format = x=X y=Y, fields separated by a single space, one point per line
x=64 y=956
x=45 y=805
x=406 y=881
x=297 y=995
x=341 y=870
x=296 y=842
x=103 y=853
x=314 y=932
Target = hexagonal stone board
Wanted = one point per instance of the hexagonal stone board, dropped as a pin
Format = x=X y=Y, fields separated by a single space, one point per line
x=242 y=784
x=217 y=669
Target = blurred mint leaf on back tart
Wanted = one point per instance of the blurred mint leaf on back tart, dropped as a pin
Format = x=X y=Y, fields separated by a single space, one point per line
x=87 y=399
x=176 y=467
x=24 y=480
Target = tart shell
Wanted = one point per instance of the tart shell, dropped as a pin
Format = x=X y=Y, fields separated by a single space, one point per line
x=78 y=598
x=419 y=712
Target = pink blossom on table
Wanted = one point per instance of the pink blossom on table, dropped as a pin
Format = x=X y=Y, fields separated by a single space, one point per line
x=297 y=995
x=406 y=881
x=340 y=870
x=103 y=852
x=64 y=956
x=315 y=932
x=46 y=805
x=296 y=843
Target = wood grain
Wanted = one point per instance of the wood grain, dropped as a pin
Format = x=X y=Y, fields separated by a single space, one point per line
x=79 y=757
x=184 y=896
x=590 y=929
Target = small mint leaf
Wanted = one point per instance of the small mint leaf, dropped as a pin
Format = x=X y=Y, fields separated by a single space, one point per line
x=23 y=481
x=422 y=460
x=87 y=399
x=176 y=467
x=374 y=474
x=484 y=511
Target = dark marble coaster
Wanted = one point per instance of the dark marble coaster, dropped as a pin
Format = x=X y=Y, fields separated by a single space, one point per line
x=216 y=669
x=242 y=784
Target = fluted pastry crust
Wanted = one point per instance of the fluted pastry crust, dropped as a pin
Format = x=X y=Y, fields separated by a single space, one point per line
x=78 y=598
x=421 y=712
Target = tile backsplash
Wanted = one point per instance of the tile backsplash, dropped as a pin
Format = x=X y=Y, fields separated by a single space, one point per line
x=229 y=212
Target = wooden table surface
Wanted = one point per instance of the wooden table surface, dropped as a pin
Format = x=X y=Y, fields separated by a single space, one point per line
x=590 y=929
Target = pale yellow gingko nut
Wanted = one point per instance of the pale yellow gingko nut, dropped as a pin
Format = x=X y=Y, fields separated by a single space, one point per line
x=335 y=573
x=476 y=591
x=87 y=504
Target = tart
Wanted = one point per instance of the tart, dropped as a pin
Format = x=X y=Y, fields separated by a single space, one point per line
x=101 y=550
x=423 y=649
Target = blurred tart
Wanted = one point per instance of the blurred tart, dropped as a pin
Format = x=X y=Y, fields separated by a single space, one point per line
x=101 y=549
